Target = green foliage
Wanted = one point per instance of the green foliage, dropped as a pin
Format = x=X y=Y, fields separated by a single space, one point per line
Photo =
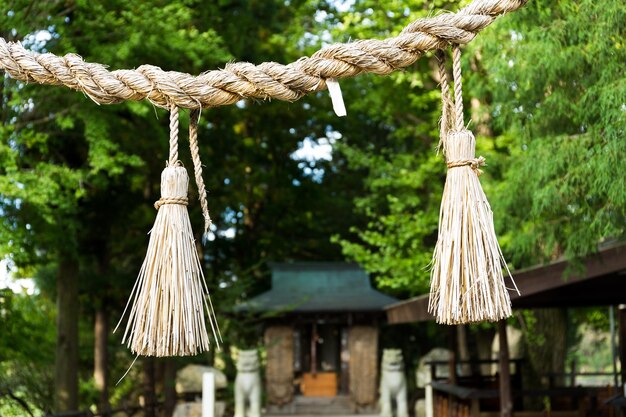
x=551 y=73
x=393 y=245
x=389 y=141
x=548 y=106
x=27 y=353
x=529 y=325
x=78 y=180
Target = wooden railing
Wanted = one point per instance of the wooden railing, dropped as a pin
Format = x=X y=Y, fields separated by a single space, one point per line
x=478 y=395
x=131 y=411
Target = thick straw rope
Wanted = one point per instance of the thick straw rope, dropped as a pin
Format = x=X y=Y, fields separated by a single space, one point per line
x=268 y=80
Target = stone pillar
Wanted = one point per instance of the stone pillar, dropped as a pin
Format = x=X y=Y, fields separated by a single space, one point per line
x=279 y=370
x=363 y=347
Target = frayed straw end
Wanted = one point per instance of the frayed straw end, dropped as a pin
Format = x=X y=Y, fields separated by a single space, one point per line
x=467 y=282
x=170 y=297
x=207 y=229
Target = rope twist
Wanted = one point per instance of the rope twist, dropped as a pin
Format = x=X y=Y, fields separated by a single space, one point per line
x=173 y=157
x=458 y=87
x=446 y=101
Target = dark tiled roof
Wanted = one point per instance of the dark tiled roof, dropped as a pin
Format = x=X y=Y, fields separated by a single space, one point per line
x=318 y=286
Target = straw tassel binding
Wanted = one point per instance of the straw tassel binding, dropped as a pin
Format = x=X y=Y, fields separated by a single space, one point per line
x=170 y=296
x=467 y=282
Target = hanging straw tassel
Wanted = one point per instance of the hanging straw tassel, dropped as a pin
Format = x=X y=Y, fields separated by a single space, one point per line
x=467 y=282
x=170 y=295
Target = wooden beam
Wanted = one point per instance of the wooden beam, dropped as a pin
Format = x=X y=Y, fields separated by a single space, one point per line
x=408 y=311
x=545 y=277
x=506 y=403
x=603 y=268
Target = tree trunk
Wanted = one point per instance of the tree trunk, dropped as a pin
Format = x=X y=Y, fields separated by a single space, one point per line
x=506 y=403
x=547 y=353
x=101 y=357
x=66 y=366
x=484 y=341
x=452 y=346
x=545 y=339
x=464 y=353
x=169 y=386
x=149 y=387
x=481 y=118
x=621 y=319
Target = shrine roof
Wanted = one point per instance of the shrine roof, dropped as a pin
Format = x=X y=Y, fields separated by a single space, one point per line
x=318 y=287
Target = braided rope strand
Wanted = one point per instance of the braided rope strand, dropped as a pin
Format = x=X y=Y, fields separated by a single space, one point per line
x=458 y=87
x=194 y=118
x=447 y=108
x=173 y=135
x=268 y=80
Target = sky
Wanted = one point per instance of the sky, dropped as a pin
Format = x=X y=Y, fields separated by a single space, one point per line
x=21 y=285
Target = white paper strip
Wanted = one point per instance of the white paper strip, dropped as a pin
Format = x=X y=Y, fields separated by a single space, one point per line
x=335 y=95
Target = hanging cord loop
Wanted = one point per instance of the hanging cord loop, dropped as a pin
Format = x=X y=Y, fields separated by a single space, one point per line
x=173 y=159
x=458 y=87
x=194 y=118
x=452 y=112
x=447 y=112
x=173 y=135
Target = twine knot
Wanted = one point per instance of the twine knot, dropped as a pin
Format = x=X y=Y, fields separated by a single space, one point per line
x=183 y=201
x=474 y=163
